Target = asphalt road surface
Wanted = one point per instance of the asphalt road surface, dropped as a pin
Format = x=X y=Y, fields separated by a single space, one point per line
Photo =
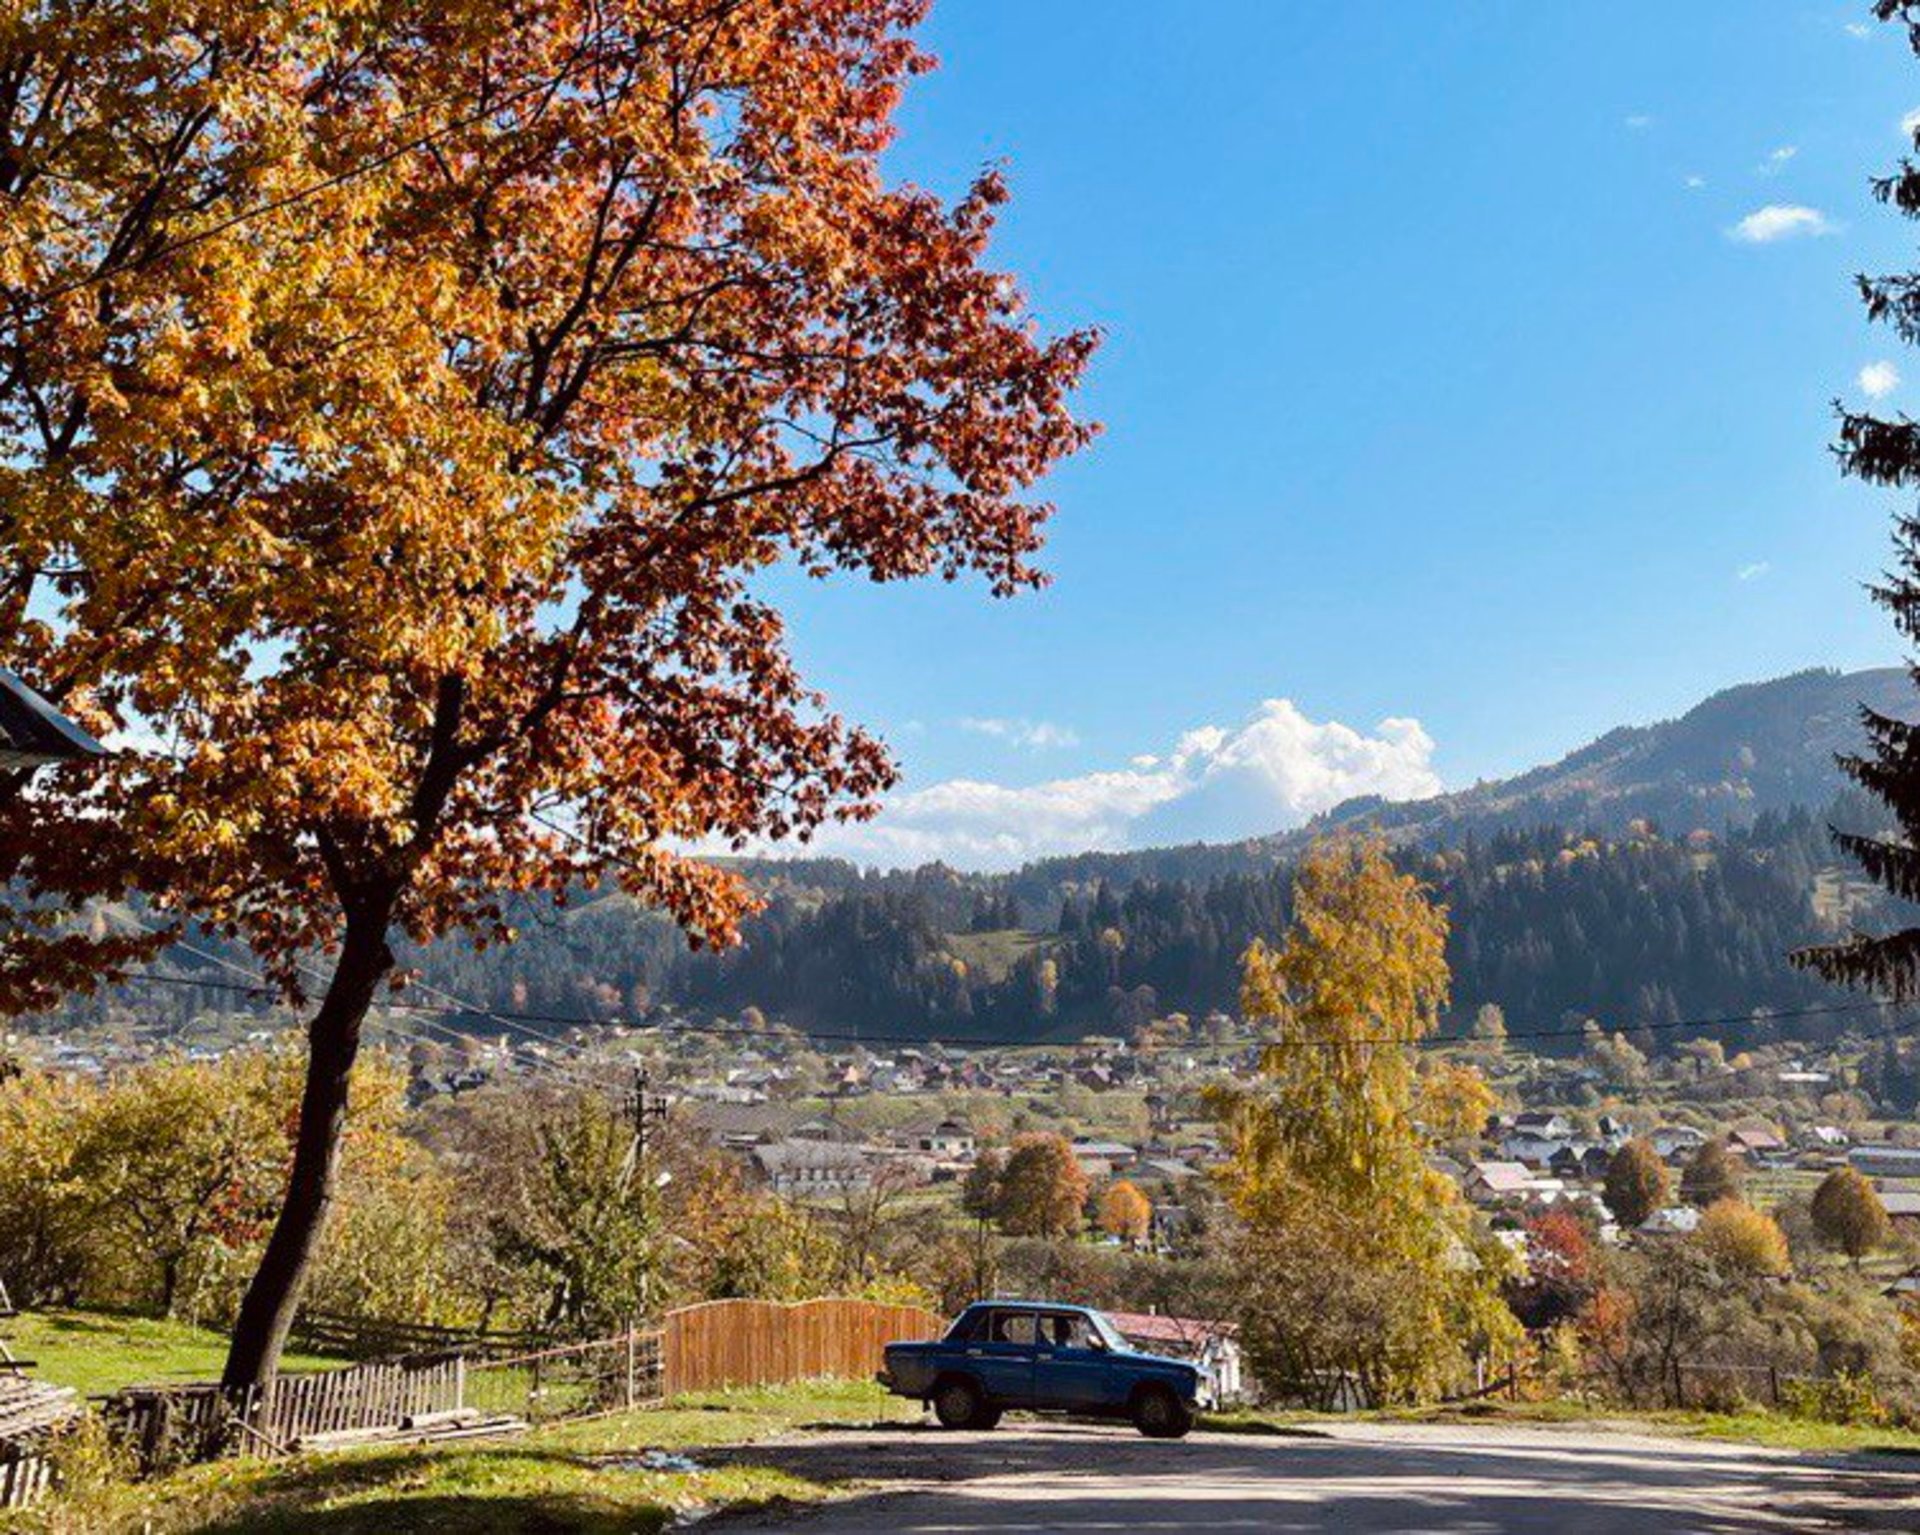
x=1366 y=1478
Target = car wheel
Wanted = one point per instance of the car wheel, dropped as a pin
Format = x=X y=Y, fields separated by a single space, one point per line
x=989 y=1418
x=959 y=1404
x=1159 y=1414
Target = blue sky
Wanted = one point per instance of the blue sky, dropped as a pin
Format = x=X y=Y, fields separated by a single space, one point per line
x=1440 y=388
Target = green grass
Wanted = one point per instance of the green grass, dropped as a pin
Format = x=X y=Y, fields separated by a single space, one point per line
x=590 y=1477
x=992 y=955
x=97 y=1352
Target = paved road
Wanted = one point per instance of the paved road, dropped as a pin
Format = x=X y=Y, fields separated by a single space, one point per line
x=1372 y=1478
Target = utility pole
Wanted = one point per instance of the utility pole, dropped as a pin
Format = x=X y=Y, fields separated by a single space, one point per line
x=645 y=1109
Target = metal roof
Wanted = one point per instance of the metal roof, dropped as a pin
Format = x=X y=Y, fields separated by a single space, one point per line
x=33 y=733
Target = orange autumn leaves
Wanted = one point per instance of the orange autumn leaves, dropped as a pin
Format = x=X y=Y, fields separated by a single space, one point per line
x=432 y=500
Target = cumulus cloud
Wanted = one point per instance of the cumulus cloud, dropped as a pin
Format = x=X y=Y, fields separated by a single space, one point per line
x=1271 y=771
x=1780 y=221
x=1777 y=160
x=1029 y=735
x=1695 y=183
x=1754 y=571
x=1878 y=379
x=1857 y=29
x=1638 y=121
x=1910 y=124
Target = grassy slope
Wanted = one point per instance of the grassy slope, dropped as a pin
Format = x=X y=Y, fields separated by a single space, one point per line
x=97 y=1352
x=591 y=1477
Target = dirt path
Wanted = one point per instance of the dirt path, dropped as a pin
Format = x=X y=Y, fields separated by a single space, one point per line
x=1366 y=1478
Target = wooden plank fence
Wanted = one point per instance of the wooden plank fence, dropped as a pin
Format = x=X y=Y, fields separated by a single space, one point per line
x=765 y=1343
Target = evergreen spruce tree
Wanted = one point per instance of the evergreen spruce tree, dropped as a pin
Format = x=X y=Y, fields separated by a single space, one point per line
x=1884 y=452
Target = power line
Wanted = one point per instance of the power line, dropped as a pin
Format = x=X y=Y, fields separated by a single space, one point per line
x=261 y=987
x=527 y=1018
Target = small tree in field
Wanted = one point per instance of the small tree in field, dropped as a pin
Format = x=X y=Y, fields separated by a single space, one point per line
x=1637 y=1183
x=1711 y=1175
x=1042 y=1188
x=1741 y=1240
x=433 y=535
x=1126 y=1213
x=1848 y=1215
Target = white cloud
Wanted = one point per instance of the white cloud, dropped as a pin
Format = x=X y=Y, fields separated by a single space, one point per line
x=1776 y=161
x=1857 y=29
x=1638 y=121
x=1695 y=183
x=1272 y=771
x=1878 y=379
x=1910 y=124
x=1754 y=571
x=1780 y=221
x=1030 y=735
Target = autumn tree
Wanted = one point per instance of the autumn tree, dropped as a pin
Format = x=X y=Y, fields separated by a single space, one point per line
x=434 y=523
x=1350 y=1250
x=1886 y=451
x=1042 y=1188
x=1742 y=1240
x=1125 y=1212
x=1563 y=1271
x=1637 y=1183
x=584 y=1214
x=1454 y=1101
x=1711 y=1175
x=1848 y=1215
x=182 y=1159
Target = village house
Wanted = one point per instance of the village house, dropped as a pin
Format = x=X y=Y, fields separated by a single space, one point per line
x=1757 y=1146
x=1213 y=1346
x=1674 y=1221
x=1885 y=1161
x=794 y=1167
x=1673 y=1142
x=1531 y=1148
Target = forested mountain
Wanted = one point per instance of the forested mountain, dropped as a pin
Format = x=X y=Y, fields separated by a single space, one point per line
x=1663 y=872
x=1746 y=750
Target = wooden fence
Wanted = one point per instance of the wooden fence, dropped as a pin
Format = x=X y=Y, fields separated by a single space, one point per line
x=29 y=1411
x=166 y=1425
x=764 y=1343
x=358 y=1337
x=699 y=1348
x=24 y=1475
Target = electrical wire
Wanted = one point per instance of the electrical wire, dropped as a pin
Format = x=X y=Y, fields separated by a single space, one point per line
x=689 y=1026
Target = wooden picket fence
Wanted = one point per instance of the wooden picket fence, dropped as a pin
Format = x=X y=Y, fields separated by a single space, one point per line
x=763 y=1343
x=25 y=1475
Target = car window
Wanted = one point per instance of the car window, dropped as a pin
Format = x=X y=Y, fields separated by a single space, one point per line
x=1013 y=1327
x=967 y=1325
x=1066 y=1329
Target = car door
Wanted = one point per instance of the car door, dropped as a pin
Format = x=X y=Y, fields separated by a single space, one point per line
x=1071 y=1372
x=1001 y=1353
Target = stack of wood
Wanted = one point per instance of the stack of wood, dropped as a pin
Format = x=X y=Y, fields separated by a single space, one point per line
x=30 y=1407
x=418 y=1428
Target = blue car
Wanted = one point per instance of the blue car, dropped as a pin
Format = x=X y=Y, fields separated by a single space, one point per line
x=1043 y=1357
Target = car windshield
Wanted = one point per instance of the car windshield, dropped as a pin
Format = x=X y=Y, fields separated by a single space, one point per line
x=1109 y=1334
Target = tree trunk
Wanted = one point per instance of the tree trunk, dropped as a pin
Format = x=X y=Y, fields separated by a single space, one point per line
x=333 y=1040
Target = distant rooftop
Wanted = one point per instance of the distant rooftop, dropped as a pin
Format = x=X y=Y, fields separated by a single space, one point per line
x=33 y=733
